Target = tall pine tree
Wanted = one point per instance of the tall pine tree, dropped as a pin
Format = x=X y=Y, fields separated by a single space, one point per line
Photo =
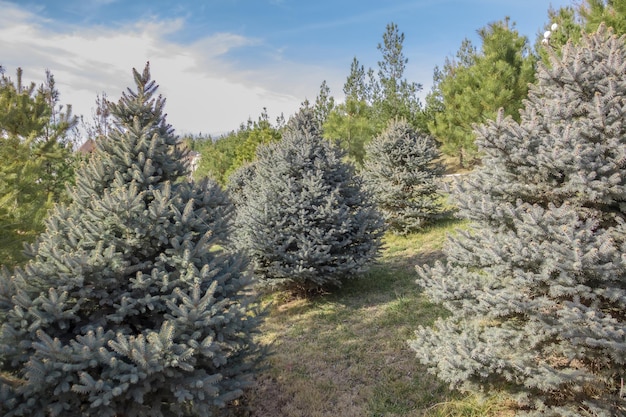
x=306 y=221
x=398 y=97
x=537 y=290
x=372 y=99
x=473 y=87
x=128 y=306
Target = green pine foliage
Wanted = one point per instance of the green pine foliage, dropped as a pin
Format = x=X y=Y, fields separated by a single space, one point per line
x=304 y=218
x=394 y=97
x=537 y=290
x=129 y=305
x=402 y=169
x=611 y=13
x=567 y=28
x=473 y=87
x=218 y=155
x=222 y=156
x=36 y=161
x=351 y=126
x=258 y=133
x=375 y=98
x=324 y=104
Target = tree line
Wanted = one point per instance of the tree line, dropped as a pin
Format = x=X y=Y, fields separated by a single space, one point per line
x=469 y=88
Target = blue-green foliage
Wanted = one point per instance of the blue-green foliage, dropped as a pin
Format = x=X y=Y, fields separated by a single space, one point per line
x=302 y=214
x=537 y=290
x=128 y=306
x=402 y=169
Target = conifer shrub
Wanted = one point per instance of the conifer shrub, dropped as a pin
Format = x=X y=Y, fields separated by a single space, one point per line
x=236 y=182
x=537 y=290
x=306 y=221
x=128 y=306
x=402 y=169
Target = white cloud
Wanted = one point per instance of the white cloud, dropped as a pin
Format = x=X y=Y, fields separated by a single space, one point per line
x=204 y=92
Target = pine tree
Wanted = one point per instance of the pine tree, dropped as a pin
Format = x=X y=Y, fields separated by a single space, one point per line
x=569 y=22
x=355 y=87
x=473 y=87
x=324 y=104
x=398 y=97
x=257 y=133
x=610 y=12
x=36 y=160
x=351 y=126
x=128 y=306
x=373 y=98
x=537 y=290
x=563 y=25
x=401 y=170
x=306 y=221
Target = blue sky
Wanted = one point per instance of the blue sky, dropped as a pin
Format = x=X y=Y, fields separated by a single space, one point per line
x=219 y=62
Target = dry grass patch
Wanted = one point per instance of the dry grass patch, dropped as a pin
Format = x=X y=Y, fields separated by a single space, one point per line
x=346 y=353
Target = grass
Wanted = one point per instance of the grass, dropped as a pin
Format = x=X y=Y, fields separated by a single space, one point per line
x=346 y=353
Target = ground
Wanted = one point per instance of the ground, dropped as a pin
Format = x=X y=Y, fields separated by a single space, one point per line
x=345 y=353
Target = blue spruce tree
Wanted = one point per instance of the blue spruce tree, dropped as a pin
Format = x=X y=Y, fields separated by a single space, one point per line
x=128 y=307
x=401 y=169
x=303 y=216
x=537 y=290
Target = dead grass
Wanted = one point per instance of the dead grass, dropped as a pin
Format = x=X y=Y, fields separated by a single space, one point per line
x=346 y=353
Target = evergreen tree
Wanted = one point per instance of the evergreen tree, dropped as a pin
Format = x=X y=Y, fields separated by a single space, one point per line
x=324 y=104
x=563 y=25
x=610 y=12
x=572 y=21
x=129 y=306
x=398 y=97
x=237 y=182
x=401 y=170
x=477 y=84
x=258 y=133
x=36 y=160
x=355 y=87
x=62 y=123
x=375 y=98
x=218 y=154
x=537 y=290
x=222 y=156
x=100 y=123
x=306 y=222
x=351 y=126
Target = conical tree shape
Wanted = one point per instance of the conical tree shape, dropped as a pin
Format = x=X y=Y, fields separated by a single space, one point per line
x=401 y=169
x=129 y=307
x=303 y=216
x=537 y=291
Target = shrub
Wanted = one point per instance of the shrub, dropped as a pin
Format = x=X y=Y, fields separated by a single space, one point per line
x=306 y=221
x=402 y=168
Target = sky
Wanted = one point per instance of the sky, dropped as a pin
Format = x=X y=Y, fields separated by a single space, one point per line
x=219 y=63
